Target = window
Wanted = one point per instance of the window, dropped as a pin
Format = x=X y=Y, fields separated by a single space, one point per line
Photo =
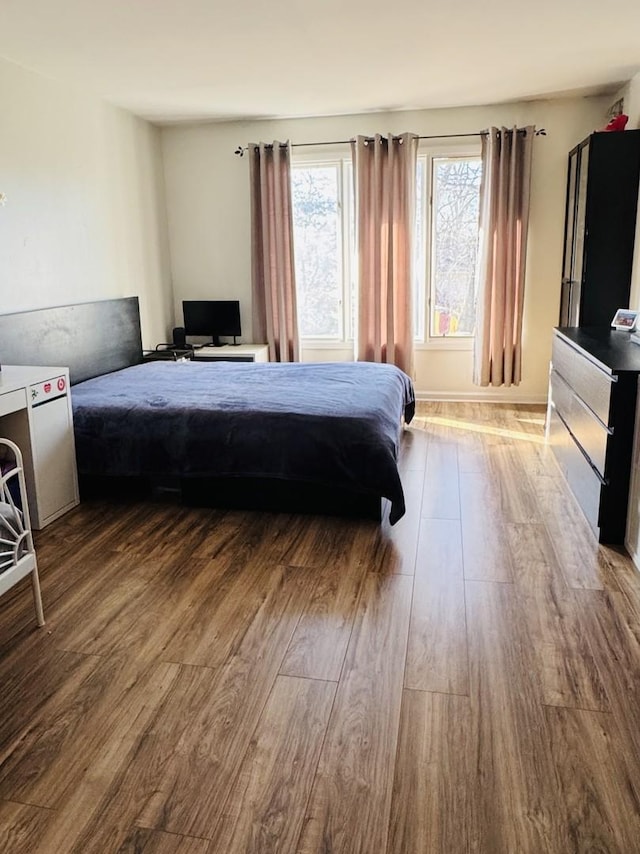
x=451 y=249
x=321 y=196
x=448 y=191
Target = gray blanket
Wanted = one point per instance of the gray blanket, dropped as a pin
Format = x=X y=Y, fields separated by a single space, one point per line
x=331 y=424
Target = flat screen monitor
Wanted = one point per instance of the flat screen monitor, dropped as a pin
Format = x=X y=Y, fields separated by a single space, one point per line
x=213 y=318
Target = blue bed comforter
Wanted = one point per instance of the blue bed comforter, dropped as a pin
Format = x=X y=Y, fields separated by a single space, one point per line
x=331 y=424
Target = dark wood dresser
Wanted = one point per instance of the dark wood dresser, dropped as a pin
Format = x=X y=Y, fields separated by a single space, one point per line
x=591 y=418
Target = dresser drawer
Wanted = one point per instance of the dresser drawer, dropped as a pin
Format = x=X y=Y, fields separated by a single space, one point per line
x=583 y=481
x=585 y=427
x=585 y=485
x=558 y=438
x=588 y=381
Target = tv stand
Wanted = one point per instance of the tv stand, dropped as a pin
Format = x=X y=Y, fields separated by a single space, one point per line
x=229 y=353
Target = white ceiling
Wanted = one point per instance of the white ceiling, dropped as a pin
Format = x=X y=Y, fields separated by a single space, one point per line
x=173 y=60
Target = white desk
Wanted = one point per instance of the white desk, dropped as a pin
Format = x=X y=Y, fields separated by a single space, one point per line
x=35 y=413
x=229 y=353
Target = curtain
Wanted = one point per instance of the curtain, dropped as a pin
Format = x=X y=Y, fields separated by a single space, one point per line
x=504 y=221
x=385 y=191
x=272 y=261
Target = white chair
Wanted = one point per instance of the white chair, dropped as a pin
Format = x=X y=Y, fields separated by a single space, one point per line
x=17 y=554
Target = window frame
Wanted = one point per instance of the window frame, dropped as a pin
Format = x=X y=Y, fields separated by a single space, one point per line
x=337 y=156
x=340 y=156
x=427 y=152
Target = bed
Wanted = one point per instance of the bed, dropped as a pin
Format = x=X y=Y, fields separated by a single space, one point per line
x=306 y=438
x=334 y=426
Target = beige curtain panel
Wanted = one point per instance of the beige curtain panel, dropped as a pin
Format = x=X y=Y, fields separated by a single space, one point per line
x=272 y=260
x=385 y=192
x=504 y=221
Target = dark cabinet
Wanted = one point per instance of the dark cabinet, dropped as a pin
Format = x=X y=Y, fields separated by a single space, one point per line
x=600 y=227
x=590 y=421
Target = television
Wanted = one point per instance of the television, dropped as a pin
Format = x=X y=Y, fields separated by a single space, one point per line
x=213 y=318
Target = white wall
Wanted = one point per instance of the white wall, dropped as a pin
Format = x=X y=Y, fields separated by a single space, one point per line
x=85 y=216
x=209 y=216
x=631 y=95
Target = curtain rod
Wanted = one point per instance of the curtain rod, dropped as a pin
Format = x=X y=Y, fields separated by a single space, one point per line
x=240 y=150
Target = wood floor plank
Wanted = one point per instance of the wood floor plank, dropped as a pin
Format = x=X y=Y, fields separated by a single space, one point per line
x=29 y=683
x=265 y=809
x=437 y=657
x=396 y=545
x=384 y=550
x=140 y=840
x=21 y=827
x=433 y=807
x=414 y=442
x=238 y=535
x=109 y=607
x=441 y=493
x=579 y=554
x=562 y=653
x=79 y=529
x=514 y=494
x=355 y=773
x=84 y=569
x=319 y=643
x=600 y=794
x=484 y=538
x=121 y=523
x=42 y=762
x=514 y=776
x=220 y=614
x=97 y=772
x=537 y=459
x=318 y=541
x=474 y=437
x=535 y=455
x=48 y=758
x=626 y=578
x=472 y=454
x=174 y=528
x=48 y=731
x=168 y=604
x=185 y=765
x=615 y=637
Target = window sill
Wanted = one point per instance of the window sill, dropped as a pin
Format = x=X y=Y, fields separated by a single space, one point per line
x=460 y=344
x=445 y=343
x=323 y=344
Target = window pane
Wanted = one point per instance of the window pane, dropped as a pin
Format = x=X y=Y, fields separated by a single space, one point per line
x=419 y=260
x=317 y=233
x=454 y=245
x=351 y=255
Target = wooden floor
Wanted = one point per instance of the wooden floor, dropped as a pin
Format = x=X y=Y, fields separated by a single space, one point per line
x=467 y=681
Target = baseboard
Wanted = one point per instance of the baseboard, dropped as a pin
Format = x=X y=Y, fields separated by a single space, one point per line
x=481 y=397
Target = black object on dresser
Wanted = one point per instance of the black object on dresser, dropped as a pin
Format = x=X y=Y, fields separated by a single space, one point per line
x=590 y=421
x=600 y=225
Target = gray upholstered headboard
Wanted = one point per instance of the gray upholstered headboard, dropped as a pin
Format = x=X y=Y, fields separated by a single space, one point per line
x=90 y=338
